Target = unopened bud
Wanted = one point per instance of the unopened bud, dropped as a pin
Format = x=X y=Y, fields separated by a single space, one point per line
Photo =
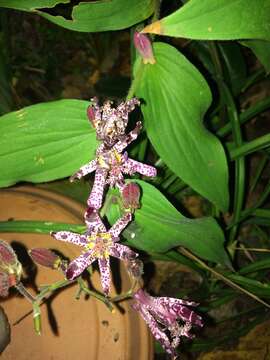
x=91 y=114
x=45 y=257
x=9 y=263
x=131 y=196
x=144 y=47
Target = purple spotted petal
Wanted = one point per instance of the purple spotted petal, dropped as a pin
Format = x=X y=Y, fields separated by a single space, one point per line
x=70 y=237
x=120 y=224
x=126 y=107
x=172 y=302
x=84 y=170
x=128 y=139
x=95 y=198
x=158 y=334
x=104 y=267
x=93 y=221
x=77 y=266
x=133 y=166
x=176 y=307
x=122 y=252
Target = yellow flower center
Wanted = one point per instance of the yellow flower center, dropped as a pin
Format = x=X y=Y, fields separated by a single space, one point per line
x=109 y=160
x=100 y=243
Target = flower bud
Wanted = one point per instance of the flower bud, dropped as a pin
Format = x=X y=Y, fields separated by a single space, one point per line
x=144 y=47
x=45 y=257
x=91 y=114
x=131 y=196
x=9 y=262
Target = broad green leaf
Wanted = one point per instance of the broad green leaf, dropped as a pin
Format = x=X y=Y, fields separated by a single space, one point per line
x=104 y=15
x=176 y=98
x=217 y=20
x=261 y=49
x=45 y=142
x=159 y=227
x=30 y=5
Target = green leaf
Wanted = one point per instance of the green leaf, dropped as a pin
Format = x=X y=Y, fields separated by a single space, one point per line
x=159 y=227
x=256 y=266
x=30 y=5
x=176 y=98
x=217 y=20
x=235 y=71
x=104 y=15
x=45 y=142
x=256 y=287
x=261 y=49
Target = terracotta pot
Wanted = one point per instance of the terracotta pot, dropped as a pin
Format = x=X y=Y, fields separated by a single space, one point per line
x=85 y=328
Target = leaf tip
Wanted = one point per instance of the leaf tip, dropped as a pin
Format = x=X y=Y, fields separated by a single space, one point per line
x=154 y=28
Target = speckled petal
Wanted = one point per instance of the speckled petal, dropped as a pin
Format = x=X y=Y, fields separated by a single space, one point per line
x=132 y=166
x=122 y=252
x=175 y=306
x=128 y=139
x=84 y=170
x=93 y=221
x=158 y=334
x=104 y=267
x=120 y=224
x=95 y=198
x=172 y=301
x=70 y=237
x=77 y=266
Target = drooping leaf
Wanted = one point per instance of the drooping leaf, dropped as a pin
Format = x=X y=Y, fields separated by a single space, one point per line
x=261 y=49
x=30 y=5
x=45 y=142
x=104 y=15
x=159 y=227
x=176 y=98
x=217 y=20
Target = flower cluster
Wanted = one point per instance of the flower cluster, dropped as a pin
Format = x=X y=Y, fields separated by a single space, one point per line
x=110 y=165
x=168 y=319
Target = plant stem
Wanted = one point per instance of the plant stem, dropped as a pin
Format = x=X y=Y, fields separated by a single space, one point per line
x=136 y=80
x=24 y=292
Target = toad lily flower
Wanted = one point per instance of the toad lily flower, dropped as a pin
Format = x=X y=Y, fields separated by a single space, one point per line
x=167 y=318
x=99 y=244
x=110 y=123
x=110 y=165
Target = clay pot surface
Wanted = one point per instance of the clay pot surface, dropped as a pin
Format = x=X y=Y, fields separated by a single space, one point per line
x=84 y=328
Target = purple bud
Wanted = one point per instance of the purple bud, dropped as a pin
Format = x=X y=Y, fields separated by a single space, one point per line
x=131 y=196
x=9 y=264
x=91 y=114
x=144 y=47
x=7 y=254
x=45 y=257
